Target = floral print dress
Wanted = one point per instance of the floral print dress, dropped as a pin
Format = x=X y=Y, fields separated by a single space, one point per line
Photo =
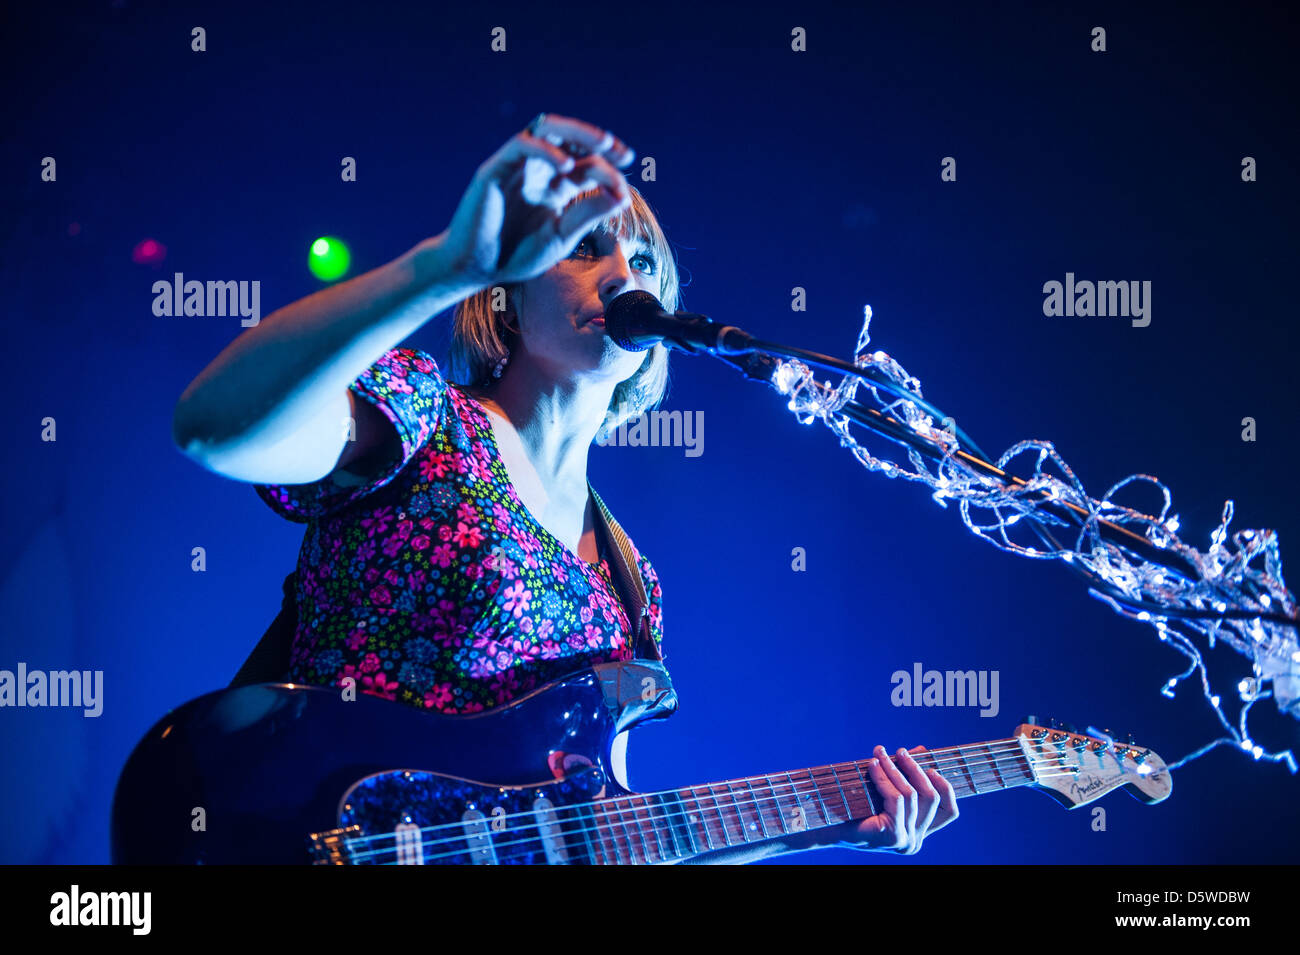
x=430 y=582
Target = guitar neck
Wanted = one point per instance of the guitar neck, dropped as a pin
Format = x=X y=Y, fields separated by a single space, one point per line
x=679 y=824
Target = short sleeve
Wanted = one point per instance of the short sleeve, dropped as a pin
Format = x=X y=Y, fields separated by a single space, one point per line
x=407 y=387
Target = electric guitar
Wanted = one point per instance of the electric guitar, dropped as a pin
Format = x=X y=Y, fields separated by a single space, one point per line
x=281 y=774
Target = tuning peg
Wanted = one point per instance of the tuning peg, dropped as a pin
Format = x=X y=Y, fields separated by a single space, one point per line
x=1070 y=728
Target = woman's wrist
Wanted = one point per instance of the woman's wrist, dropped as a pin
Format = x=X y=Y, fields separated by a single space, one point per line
x=443 y=281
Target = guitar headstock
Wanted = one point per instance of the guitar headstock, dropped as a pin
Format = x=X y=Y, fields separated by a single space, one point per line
x=1075 y=769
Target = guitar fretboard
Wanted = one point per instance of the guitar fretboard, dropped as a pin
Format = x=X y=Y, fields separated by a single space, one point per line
x=676 y=824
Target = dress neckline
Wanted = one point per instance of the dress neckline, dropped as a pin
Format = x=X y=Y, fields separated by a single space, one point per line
x=485 y=422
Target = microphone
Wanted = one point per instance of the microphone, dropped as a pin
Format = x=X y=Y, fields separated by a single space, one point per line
x=637 y=321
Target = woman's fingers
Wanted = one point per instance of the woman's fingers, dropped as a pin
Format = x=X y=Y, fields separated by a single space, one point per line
x=902 y=785
x=583 y=137
x=914 y=801
x=582 y=215
x=946 y=809
x=891 y=809
x=518 y=149
x=598 y=170
x=947 y=802
x=527 y=145
x=524 y=208
x=943 y=802
x=894 y=802
x=927 y=796
x=556 y=178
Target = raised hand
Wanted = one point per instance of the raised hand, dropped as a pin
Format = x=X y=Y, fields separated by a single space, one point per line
x=518 y=217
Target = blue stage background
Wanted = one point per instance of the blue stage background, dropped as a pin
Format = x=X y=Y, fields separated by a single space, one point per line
x=775 y=169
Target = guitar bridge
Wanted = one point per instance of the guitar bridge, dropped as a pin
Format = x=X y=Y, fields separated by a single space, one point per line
x=327 y=848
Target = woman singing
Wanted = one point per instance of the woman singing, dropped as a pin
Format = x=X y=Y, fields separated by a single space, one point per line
x=455 y=555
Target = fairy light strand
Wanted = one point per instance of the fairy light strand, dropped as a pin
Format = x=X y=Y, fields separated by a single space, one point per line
x=1228 y=576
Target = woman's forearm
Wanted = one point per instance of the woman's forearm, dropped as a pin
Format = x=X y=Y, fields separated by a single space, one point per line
x=272 y=406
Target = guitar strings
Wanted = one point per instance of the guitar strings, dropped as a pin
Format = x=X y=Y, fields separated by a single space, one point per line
x=980 y=762
x=824 y=771
x=626 y=804
x=622 y=805
x=621 y=843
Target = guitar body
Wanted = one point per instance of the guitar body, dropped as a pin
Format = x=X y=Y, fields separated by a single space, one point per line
x=245 y=776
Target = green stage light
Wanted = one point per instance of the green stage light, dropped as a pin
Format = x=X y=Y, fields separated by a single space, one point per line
x=329 y=258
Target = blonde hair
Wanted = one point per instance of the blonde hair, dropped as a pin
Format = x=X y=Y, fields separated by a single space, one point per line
x=479 y=334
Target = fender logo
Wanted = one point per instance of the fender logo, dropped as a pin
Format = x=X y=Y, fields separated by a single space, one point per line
x=1083 y=789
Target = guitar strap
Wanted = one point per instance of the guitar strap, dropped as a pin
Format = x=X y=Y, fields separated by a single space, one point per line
x=638 y=689
x=269 y=661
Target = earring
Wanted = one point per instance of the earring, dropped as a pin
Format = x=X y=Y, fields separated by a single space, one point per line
x=501 y=365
